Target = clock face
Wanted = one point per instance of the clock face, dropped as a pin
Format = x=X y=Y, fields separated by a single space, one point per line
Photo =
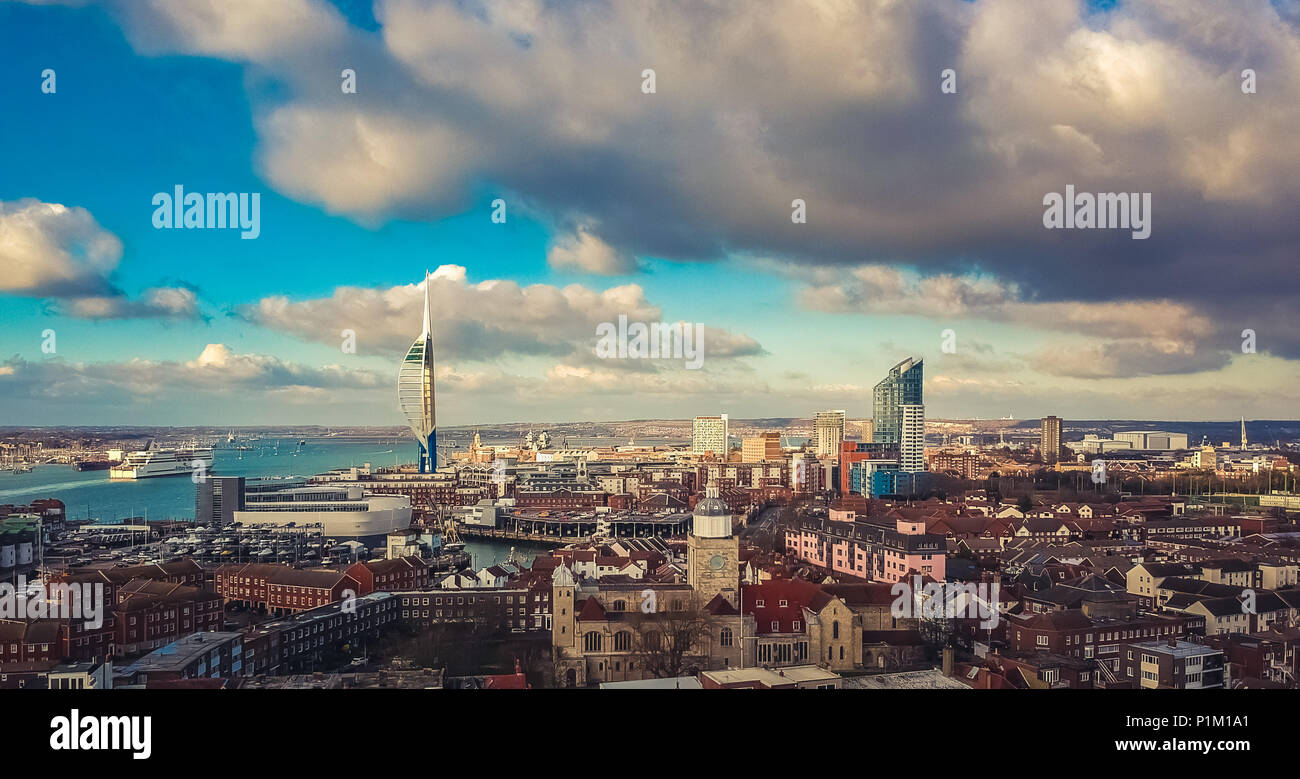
x=716 y=562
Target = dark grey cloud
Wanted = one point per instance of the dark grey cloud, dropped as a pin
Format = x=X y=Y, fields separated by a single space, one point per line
x=836 y=104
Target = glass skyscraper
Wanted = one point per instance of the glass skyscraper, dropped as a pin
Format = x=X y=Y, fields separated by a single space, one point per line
x=902 y=387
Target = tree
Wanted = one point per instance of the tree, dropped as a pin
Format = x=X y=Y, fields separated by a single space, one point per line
x=664 y=639
x=1025 y=503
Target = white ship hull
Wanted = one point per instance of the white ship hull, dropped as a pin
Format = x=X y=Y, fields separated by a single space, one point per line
x=144 y=465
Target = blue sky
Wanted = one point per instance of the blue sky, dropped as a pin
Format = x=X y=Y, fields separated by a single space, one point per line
x=924 y=212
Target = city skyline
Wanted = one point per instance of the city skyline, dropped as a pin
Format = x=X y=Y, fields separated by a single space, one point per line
x=877 y=348
x=924 y=221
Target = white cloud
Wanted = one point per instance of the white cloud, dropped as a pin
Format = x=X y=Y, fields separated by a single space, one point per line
x=1145 y=336
x=216 y=370
x=49 y=249
x=586 y=253
x=159 y=302
x=480 y=321
x=495 y=319
x=245 y=30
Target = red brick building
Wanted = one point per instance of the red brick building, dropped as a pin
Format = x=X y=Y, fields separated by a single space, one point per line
x=23 y=641
x=562 y=498
x=402 y=573
x=150 y=614
x=185 y=571
x=280 y=589
x=1073 y=634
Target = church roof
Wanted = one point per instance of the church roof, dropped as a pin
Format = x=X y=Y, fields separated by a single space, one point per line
x=712 y=507
x=720 y=607
x=591 y=611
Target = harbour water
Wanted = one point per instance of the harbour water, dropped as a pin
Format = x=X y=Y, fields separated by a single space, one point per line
x=90 y=494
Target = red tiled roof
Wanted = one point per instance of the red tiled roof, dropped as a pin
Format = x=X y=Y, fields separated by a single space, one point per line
x=591 y=611
x=720 y=606
x=795 y=592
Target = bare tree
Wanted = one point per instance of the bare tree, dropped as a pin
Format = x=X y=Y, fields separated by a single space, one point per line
x=668 y=641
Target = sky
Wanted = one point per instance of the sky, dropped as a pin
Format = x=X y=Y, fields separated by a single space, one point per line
x=921 y=139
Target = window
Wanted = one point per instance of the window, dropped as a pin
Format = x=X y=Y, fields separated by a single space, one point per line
x=622 y=641
x=835 y=629
x=724 y=638
x=591 y=641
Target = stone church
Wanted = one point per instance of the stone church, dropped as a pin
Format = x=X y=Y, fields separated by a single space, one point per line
x=619 y=630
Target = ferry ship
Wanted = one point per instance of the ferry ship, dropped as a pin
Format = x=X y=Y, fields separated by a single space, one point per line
x=160 y=462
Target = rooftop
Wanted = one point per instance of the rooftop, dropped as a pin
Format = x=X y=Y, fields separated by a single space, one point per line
x=932 y=679
x=771 y=677
x=178 y=654
x=676 y=683
x=1178 y=649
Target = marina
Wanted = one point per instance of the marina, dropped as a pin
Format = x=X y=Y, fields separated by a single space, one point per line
x=119 y=504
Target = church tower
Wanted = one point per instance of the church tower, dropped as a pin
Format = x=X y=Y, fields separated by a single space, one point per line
x=713 y=553
x=562 y=602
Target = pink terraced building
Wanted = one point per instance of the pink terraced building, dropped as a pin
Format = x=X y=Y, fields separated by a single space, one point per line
x=844 y=544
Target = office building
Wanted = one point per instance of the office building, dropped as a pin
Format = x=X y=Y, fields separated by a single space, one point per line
x=1049 y=439
x=764 y=446
x=809 y=473
x=898 y=424
x=217 y=499
x=1156 y=440
x=963 y=464
x=828 y=432
x=858 y=459
x=861 y=475
x=911 y=442
x=902 y=387
x=709 y=434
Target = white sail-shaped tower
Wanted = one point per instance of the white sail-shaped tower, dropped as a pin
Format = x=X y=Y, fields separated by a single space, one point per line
x=415 y=390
